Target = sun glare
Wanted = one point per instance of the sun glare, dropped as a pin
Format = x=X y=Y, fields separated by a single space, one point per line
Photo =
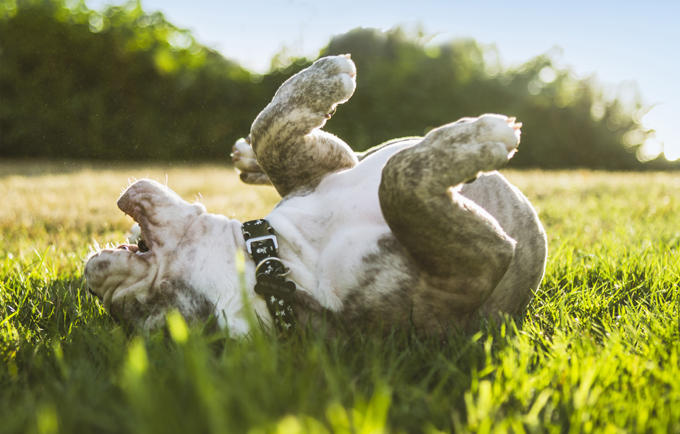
x=664 y=121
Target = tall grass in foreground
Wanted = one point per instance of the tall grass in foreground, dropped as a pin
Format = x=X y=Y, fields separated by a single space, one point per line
x=597 y=351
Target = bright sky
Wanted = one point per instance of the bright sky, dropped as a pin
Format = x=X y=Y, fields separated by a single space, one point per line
x=618 y=40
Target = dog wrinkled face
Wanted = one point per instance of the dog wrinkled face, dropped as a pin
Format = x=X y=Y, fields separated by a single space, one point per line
x=140 y=285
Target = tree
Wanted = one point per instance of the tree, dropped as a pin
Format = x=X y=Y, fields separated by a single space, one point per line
x=124 y=84
x=115 y=85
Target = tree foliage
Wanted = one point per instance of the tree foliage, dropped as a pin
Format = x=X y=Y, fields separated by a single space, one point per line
x=406 y=88
x=117 y=85
x=124 y=84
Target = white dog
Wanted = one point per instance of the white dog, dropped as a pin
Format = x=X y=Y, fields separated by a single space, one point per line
x=391 y=238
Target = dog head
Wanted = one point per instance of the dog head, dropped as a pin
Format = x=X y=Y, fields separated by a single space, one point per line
x=187 y=262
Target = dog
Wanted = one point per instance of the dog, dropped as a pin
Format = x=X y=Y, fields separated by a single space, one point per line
x=419 y=232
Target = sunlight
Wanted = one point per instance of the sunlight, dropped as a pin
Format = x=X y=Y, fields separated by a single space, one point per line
x=433 y=46
x=664 y=121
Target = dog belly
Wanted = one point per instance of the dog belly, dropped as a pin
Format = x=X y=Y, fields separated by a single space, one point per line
x=376 y=286
x=347 y=258
x=329 y=233
x=342 y=267
x=343 y=202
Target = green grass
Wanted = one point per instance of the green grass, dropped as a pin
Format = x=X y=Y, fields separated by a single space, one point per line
x=597 y=351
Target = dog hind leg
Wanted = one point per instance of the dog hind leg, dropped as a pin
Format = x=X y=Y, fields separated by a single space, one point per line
x=459 y=245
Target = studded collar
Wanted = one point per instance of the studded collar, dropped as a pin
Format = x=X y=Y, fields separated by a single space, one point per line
x=270 y=273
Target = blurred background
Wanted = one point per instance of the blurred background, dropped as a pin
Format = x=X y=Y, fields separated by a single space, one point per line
x=182 y=81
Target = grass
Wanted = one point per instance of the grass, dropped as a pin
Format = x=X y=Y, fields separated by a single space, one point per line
x=597 y=351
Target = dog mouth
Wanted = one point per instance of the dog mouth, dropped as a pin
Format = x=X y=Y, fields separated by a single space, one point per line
x=157 y=212
x=140 y=247
x=139 y=238
x=136 y=240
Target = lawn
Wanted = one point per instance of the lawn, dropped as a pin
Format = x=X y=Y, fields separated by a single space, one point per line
x=597 y=351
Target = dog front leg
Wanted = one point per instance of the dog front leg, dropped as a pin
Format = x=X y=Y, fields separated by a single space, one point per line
x=286 y=137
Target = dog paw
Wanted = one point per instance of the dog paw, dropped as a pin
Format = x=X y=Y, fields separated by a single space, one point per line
x=243 y=156
x=499 y=129
x=328 y=82
x=495 y=139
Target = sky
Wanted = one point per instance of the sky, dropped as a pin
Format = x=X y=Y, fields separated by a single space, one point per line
x=621 y=42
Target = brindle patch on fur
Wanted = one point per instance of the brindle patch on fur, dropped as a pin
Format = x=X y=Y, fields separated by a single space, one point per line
x=394 y=293
x=367 y=307
x=101 y=267
x=255 y=178
x=173 y=294
x=385 y=294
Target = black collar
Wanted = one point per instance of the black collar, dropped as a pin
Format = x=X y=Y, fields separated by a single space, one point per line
x=270 y=273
